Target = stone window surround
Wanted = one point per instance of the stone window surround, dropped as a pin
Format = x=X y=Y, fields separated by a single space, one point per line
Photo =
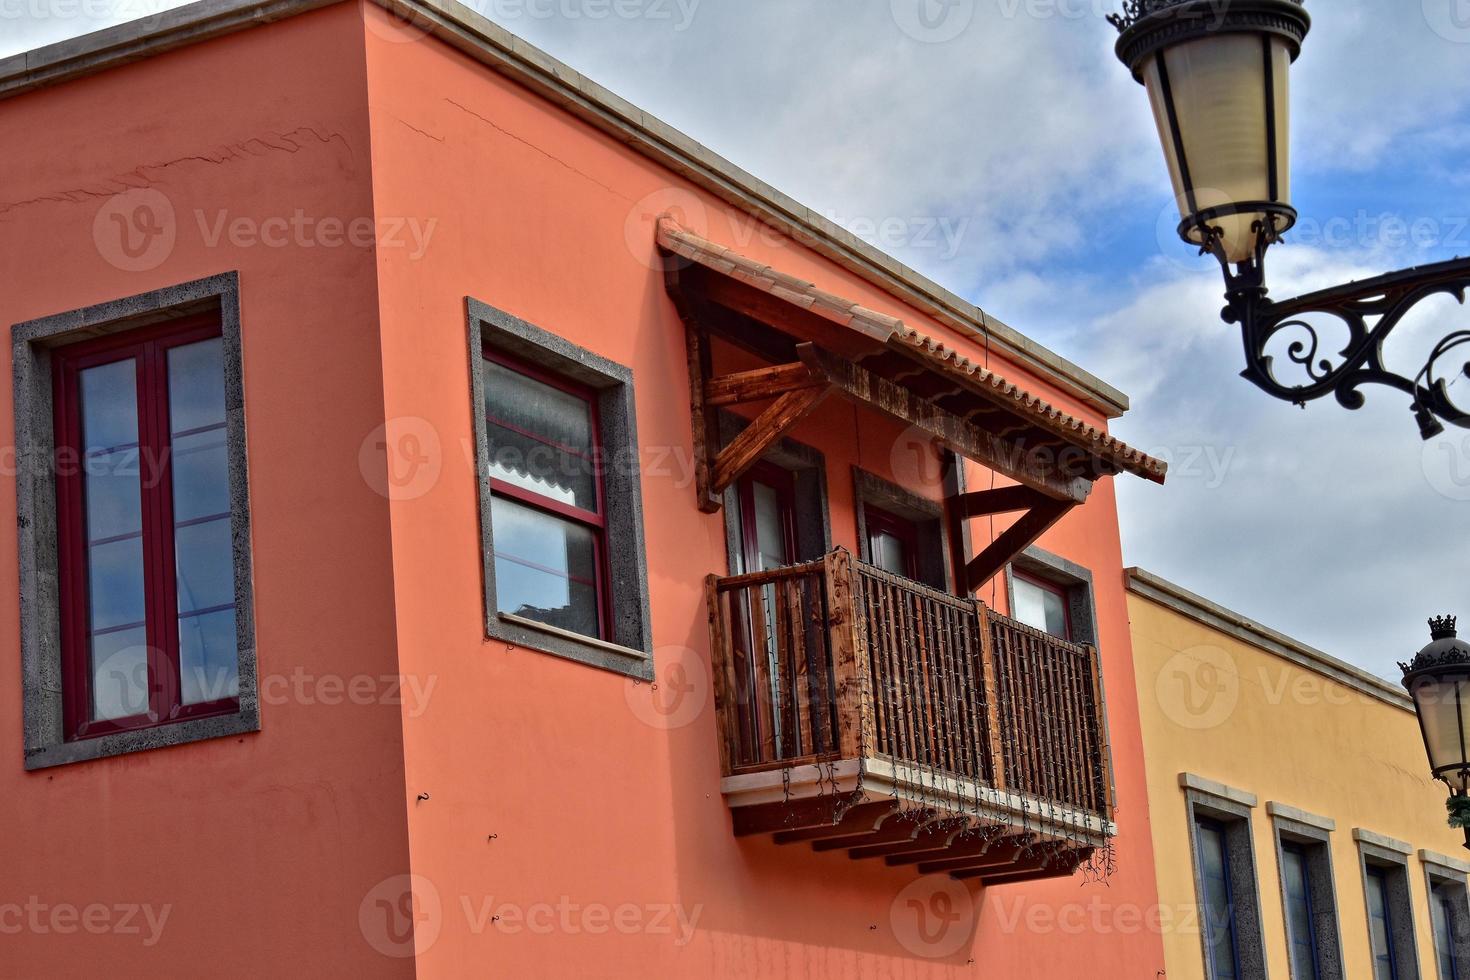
x=1314 y=833
x=1440 y=870
x=1233 y=808
x=630 y=650
x=41 y=667
x=1074 y=578
x=928 y=517
x=1376 y=850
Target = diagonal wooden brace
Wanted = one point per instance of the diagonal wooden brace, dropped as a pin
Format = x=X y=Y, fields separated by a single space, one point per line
x=769 y=426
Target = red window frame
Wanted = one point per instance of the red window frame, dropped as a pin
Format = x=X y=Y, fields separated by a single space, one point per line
x=1057 y=590
x=149 y=348
x=593 y=521
x=876 y=521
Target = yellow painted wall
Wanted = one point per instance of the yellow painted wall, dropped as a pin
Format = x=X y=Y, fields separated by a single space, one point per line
x=1226 y=709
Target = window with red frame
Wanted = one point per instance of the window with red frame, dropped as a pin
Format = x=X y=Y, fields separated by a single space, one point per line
x=146 y=563
x=547 y=505
x=1042 y=605
x=893 y=543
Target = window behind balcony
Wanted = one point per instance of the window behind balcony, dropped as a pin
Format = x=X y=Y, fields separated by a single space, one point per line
x=1042 y=605
x=146 y=563
x=893 y=543
x=767 y=519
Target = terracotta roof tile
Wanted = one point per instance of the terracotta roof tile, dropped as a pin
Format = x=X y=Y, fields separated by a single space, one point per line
x=891 y=331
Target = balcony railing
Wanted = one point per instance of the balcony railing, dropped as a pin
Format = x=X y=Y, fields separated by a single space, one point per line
x=848 y=696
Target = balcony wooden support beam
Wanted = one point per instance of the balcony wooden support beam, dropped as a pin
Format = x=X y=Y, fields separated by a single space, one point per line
x=771 y=818
x=974 y=844
x=1005 y=854
x=859 y=821
x=901 y=826
x=758 y=385
x=1014 y=540
x=746 y=449
x=1004 y=456
x=1060 y=863
x=932 y=836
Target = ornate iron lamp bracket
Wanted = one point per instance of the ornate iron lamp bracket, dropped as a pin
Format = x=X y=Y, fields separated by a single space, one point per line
x=1367 y=312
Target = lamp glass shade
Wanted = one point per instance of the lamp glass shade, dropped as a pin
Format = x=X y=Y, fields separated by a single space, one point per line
x=1221 y=103
x=1442 y=702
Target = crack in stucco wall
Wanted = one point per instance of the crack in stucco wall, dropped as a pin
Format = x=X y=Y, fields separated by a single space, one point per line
x=142 y=176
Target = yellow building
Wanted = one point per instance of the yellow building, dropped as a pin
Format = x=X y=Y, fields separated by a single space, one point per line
x=1296 y=832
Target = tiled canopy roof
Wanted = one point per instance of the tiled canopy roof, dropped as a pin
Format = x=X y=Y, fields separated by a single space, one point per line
x=891 y=333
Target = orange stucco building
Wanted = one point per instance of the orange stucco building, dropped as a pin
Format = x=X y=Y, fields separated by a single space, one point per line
x=522 y=400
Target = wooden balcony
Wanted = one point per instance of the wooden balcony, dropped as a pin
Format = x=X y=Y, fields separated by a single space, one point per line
x=861 y=711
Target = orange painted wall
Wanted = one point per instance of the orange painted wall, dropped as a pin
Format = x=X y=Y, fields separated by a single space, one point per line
x=260 y=848
x=554 y=790
x=553 y=784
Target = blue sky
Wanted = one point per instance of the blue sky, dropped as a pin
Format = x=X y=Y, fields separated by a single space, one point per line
x=1009 y=122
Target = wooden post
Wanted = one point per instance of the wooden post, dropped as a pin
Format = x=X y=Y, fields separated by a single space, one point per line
x=849 y=660
x=722 y=673
x=992 y=695
x=1104 y=740
x=702 y=419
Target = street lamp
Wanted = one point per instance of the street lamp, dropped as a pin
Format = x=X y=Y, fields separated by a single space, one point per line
x=1216 y=73
x=1439 y=682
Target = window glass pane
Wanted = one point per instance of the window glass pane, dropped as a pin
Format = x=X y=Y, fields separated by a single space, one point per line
x=116 y=607
x=1380 y=925
x=770 y=527
x=545 y=567
x=1300 y=930
x=1040 y=608
x=1442 y=914
x=541 y=438
x=205 y=574
x=207 y=667
x=203 y=554
x=889 y=553
x=119 y=673
x=1218 y=911
x=196 y=385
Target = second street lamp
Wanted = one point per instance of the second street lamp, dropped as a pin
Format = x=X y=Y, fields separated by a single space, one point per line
x=1438 y=679
x=1217 y=73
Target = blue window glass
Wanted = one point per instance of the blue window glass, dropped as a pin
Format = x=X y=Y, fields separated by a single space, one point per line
x=1218 y=906
x=1301 y=926
x=1380 y=926
x=203 y=555
x=1442 y=913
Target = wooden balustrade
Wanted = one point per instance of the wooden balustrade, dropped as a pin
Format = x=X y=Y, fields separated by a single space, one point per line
x=837 y=660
